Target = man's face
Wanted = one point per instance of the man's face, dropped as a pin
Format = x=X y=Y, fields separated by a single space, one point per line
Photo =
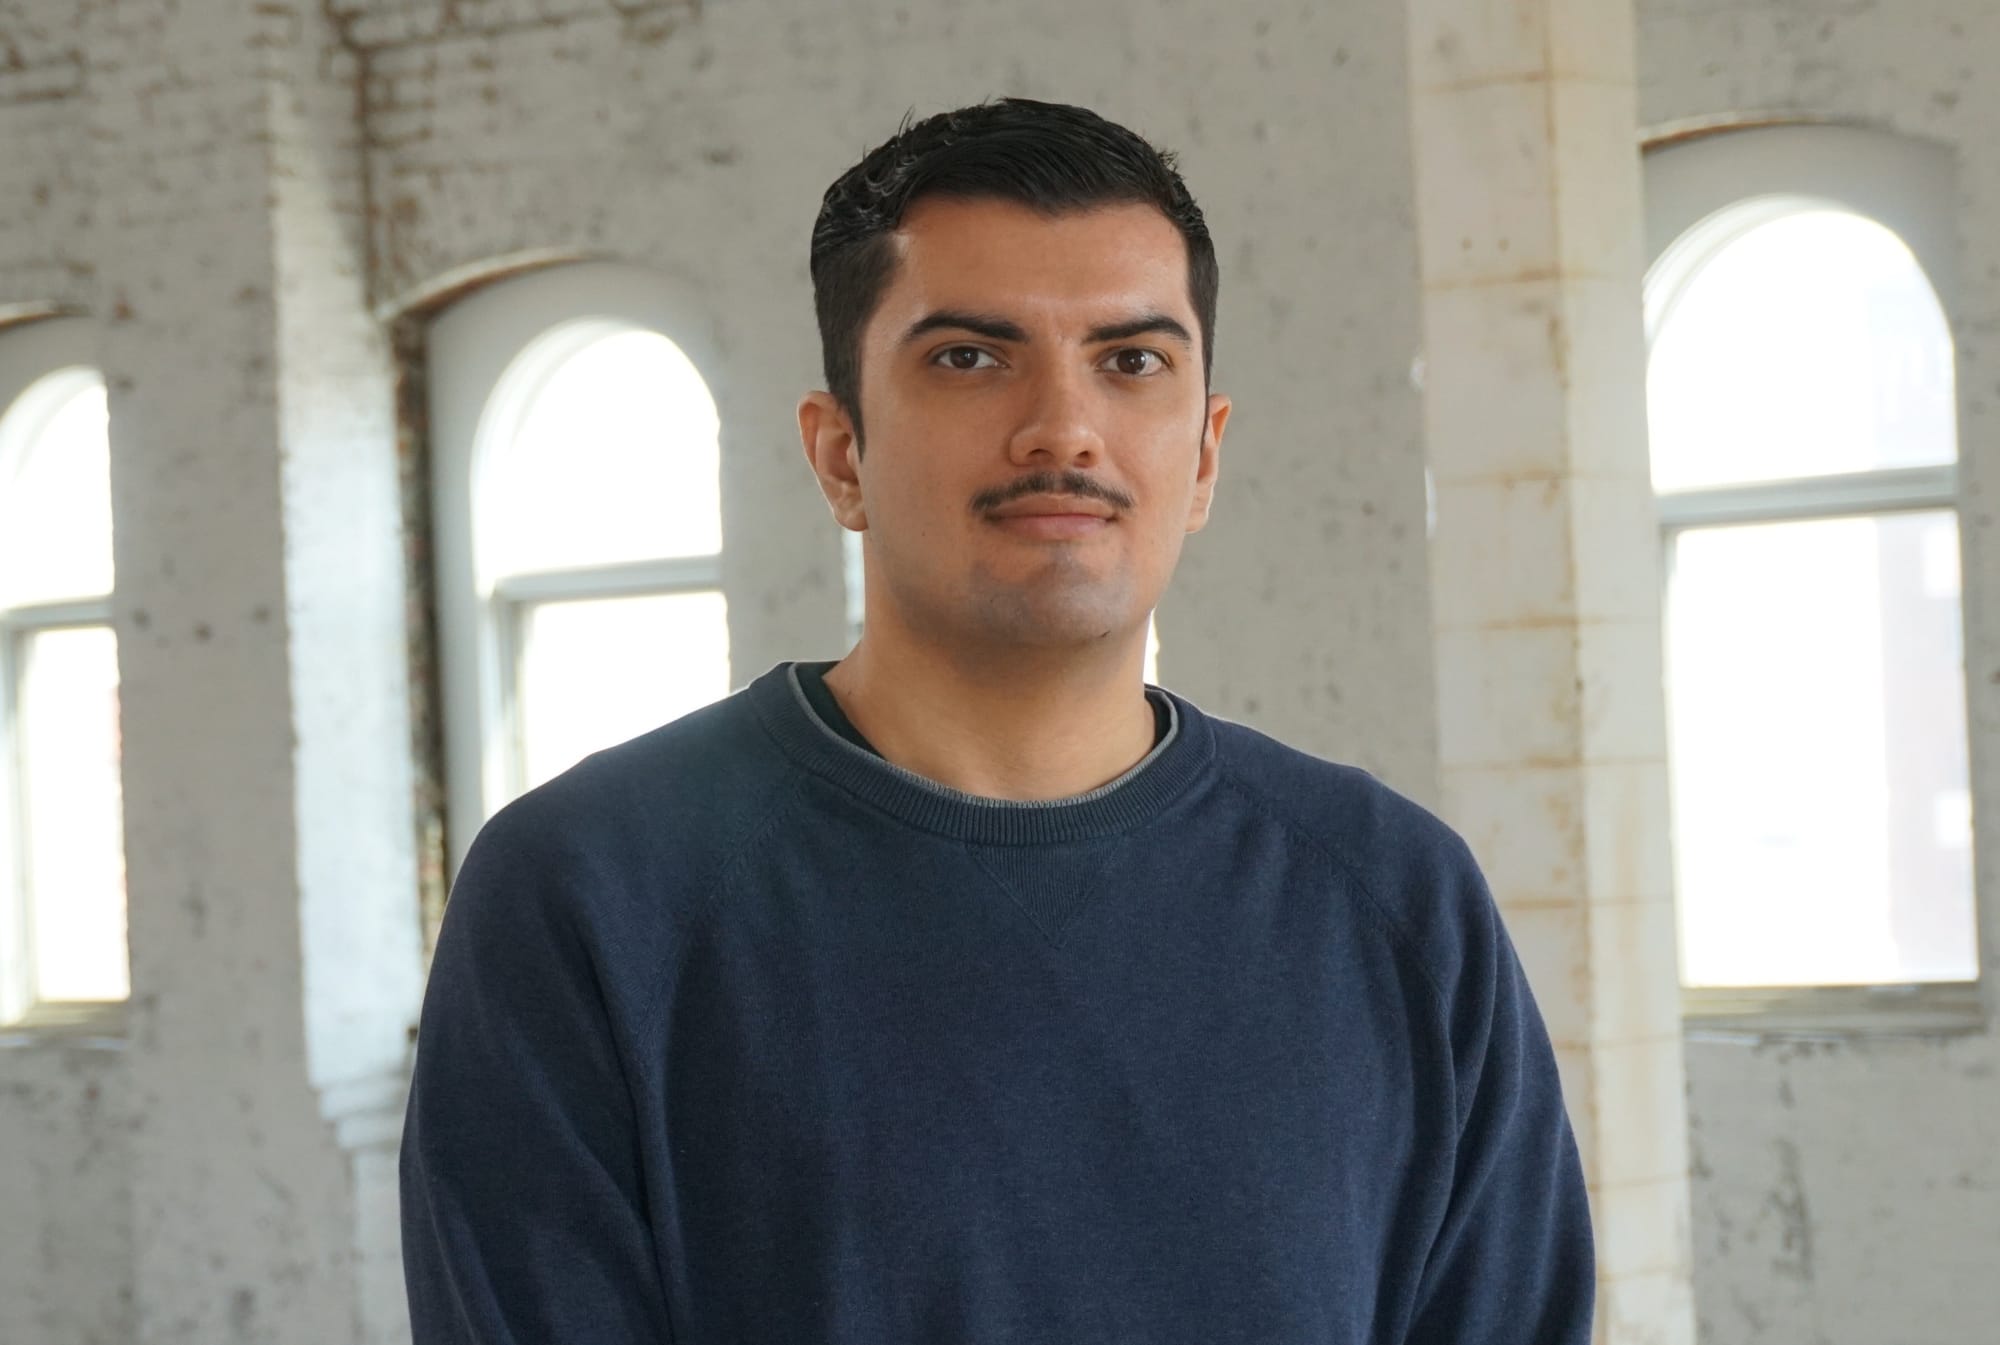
x=1039 y=439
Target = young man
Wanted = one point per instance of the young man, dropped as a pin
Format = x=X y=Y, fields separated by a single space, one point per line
x=969 y=990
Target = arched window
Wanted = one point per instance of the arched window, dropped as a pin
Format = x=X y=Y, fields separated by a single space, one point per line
x=579 y=527
x=62 y=871
x=1803 y=421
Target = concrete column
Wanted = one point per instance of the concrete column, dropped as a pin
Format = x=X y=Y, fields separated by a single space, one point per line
x=269 y=833
x=1546 y=581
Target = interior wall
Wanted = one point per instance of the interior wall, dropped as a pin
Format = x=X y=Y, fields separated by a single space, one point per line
x=1848 y=1191
x=65 y=1170
x=65 y=1177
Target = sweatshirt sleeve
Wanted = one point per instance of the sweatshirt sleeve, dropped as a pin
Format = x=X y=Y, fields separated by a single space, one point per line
x=1512 y=1262
x=523 y=1212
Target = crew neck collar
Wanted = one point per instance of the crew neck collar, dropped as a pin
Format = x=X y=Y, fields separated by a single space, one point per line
x=1129 y=801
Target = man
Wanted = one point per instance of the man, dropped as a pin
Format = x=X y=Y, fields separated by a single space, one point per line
x=968 y=990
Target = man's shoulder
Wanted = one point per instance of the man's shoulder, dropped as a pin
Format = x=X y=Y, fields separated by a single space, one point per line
x=662 y=806
x=1410 y=868
x=1336 y=805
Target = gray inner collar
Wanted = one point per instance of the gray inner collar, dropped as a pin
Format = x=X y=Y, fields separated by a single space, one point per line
x=959 y=795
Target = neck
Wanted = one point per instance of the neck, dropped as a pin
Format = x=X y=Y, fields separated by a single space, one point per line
x=1031 y=724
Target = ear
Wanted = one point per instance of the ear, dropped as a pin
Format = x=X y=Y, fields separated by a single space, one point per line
x=834 y=453
x=1209 y=463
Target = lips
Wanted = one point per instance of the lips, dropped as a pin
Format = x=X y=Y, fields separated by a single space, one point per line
x=1053 y=506
x=1052 y=519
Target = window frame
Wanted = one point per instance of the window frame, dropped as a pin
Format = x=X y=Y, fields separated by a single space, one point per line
x=33 y=352
x=470 y=347
x=1720 y=179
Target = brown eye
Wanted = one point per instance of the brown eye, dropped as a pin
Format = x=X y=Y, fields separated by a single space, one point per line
x=1138 y=363
x=964 y=358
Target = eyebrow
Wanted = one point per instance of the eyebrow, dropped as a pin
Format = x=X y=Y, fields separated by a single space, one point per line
x=1139 y=326
x=956 y=319
x=1004 y=329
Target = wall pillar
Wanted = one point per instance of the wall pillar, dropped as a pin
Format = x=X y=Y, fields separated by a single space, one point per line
x=260 y=614
x=1546 y=582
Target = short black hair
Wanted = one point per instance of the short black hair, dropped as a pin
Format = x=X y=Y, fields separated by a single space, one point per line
x=1050 y=156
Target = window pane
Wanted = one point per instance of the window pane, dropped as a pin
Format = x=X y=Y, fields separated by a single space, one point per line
x=75 y=840
x=55 y=506
x=608 y=454
x=854 y=574
x=1806 y=346
x=1822 y=818
x=598 y=672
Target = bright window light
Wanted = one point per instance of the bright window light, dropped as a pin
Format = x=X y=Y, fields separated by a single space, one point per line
x=73 y=846
x=610 y=456
x=597 y=672
x=55 y=498
x=1807 y=345
x=598 y=539
x=1800 y=379
x=1818 y=715
x=62 y=866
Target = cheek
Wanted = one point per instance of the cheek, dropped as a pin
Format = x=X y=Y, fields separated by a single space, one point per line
x=913 y=494
x=1171 y=457
x=925 y=468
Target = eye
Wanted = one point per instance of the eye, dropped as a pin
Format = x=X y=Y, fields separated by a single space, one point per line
x=1138 y=363
x=965 y=358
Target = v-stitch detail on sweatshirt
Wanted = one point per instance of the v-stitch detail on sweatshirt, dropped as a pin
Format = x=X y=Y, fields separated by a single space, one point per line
x=1048 y=892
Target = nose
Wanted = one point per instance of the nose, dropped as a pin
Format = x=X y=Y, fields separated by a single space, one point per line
x=1057 y=428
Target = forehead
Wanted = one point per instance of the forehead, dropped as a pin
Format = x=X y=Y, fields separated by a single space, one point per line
x=1000 y=257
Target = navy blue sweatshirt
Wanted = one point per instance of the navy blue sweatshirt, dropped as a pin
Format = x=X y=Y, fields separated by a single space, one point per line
x=738 y=1032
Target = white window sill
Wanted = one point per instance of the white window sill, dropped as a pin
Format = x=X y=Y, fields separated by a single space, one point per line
x=82 y=1026
x=1835 y=1013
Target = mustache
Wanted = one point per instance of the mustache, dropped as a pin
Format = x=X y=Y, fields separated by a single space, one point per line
x=1051 y=483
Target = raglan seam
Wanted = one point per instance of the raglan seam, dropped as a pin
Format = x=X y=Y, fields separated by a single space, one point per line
x=689 y=933
x=1399 y=936
x=785 y=794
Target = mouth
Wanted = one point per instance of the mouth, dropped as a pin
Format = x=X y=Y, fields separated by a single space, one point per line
x=1051 y=527
x=1052 y=518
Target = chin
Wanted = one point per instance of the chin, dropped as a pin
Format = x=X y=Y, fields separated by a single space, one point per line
x=1037 y=622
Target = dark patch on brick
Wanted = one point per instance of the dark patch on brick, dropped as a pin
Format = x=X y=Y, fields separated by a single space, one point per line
x=375 y=25
x=409 y=342
x=1788 y=1201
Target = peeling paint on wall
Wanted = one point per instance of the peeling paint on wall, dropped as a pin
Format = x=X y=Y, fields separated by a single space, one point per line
x=65 y=1184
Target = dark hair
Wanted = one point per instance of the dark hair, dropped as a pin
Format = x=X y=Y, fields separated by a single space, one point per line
x=1050 y=156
